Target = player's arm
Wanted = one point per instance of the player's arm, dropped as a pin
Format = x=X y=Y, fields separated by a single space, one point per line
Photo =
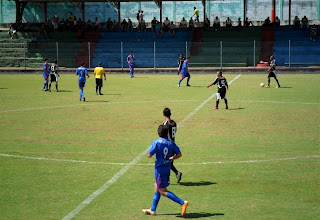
x=104 y=74
x=227 y=86
x=128 y=59
x=87 y=74
x=209 y=85
x=213 y=83
x=176 y=156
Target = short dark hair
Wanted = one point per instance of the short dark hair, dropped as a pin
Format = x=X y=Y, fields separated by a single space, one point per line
x=55 y=61
x=45 y=59
x=99 y=64
x=131 y=51
x=163 y=131
x=167 y=112
x=220 y=72
x=82 y=64
x=188 y=57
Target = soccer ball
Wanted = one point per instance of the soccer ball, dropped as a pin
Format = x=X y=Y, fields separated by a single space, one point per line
x=262 y=84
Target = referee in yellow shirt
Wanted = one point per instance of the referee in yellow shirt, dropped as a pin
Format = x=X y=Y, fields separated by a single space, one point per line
x=98 y=72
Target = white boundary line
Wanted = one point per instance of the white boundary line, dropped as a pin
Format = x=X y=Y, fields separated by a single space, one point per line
x=88 y=200
x=152 y=164
x=280 y=102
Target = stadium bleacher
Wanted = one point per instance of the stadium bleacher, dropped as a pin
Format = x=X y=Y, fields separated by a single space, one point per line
x=108 y=48
x=303 y=51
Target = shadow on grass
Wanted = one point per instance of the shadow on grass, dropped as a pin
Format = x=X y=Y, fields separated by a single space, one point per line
x=285 y=87
x=112 y=94
x=230 y=109
x=65 y=91
x=196 y=215
x=97 y=101
x=202 y=183
x=3 y=88
x=141 y=77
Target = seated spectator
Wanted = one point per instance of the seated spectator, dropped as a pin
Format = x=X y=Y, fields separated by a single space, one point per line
x=159 y=29
x=216 y=24
x=12 y=31
x=96 y=24
x=277 y=22
x=304 y=23
x=68 y=25
x=239 y=24
x=296 y=22
x=166 y=24
x=124 y=25
x=62 y=25
x=115 y=25
x=207 y=23
x=313 y=32
x=55 y=23
x=141 y=25
x=130 y=26
x=267 y=22
x=191 y=24
x=72 y=17
x=153 y=24
x=79 y=24
x=109 y=25
x=89 y=26
x=172 y=29
x=247 y=22
x=183 y=24
x=228 y=24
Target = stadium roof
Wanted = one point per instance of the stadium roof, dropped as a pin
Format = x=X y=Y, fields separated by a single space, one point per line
x=103 y=0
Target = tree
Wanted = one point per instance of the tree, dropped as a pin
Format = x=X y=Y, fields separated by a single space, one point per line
x=20 y=6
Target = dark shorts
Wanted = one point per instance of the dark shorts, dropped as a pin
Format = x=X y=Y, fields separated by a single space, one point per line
x=162 y=176
x=81 y=84
x=53 y=78
x=99 y=82
x=221 y=94
x=272 y=74
x=180 y=67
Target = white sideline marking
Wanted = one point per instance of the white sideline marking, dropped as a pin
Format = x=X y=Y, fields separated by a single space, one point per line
x=280 y=102
x=108 y=103
x=125 y=169
x=204 y=103
x=152 y=164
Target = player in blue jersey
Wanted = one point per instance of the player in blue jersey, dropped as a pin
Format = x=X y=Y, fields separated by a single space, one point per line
x=82 y=72
x=131 y=59
x=163 y=149
x=45 y=74
x=185 y=71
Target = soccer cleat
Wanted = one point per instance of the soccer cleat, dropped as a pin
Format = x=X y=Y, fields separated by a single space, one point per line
x=84 y=99
x=49 y=90
x=178 y=85
x=278 y=87
x=57 y=90
x=188 y=85
x=96 y=93
x=227 y=107
x=178 y=175
x=184 y=208
x=267 y=86
x=148 y=212
x=100 y=94
x=215 y=108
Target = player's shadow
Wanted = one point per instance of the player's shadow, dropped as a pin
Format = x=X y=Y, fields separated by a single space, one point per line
x=3 y=88
x=285 y=87
x=97 y=101
x=231 y=109
x=112 y=94
x=196 y=215
x=201 y=183
x=65 y=91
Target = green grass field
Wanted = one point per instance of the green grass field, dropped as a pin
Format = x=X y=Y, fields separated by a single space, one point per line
x=257 y=160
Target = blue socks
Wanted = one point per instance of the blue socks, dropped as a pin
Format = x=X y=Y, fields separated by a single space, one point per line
x=81 y=93
x=174 y=198
x=155 y=202
x=131 y=73
x=188 y=80
x=180 y=81
x=44 y=86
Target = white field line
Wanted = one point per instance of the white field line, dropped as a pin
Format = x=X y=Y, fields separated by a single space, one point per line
x=108 y=103
x=126 y=168
x=152 y=164
x=280 y=102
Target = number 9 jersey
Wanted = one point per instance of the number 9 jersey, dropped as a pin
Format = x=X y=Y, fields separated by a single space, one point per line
x=172 y=128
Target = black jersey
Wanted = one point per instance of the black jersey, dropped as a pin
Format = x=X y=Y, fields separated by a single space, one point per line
x=181 y=59
x=273 y=65
x=221 y=82
x=54 y=68
x=172 y=125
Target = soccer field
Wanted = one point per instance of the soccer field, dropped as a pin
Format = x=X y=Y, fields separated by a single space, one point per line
x=63 y=158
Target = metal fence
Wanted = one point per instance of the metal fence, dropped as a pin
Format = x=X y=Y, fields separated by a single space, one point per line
x=160 y=55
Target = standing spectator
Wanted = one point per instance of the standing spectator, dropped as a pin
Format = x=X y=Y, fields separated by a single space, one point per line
x=55 y=23
x=130 y=26
x=166 y=24
x=115 y=25
x=142 y=25
x=296 y=22
x=62 y=25
x=304 y=23
x=228 y=24
x=172 y=29
x=247 y=22
x=124 y=26
x=89 y=26
x=277 y=22
x=138 y=15
x=216 y=24
x=207 y=23
x=98 y=72
x=191 y=24
x=12 y=31
x=109 y=25
x=239 y=24
x=196 y=13
x=313 y=32
x=141 y=15
x=153 y=24
x=96 y=24
x=267 y=22
x=183 y=24
x=72 y=17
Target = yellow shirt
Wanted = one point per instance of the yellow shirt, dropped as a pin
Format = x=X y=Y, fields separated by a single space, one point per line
x=72 y=17
x=98 y=72
x=196 y=11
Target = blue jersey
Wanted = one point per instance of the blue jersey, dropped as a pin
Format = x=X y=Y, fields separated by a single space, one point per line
x=131 y=59
x=46 y=68
x=185 y=65
x=163 y=149
x=82 y=71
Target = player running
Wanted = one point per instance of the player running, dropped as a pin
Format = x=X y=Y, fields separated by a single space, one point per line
x=172 y=129
x=185 y=71
x=82 y=72
x=45 y=74
x=54 y=75
x=222 y=83
x=163 y=148
x=272 y=71
x=98 y=72
x=131 y=59
x=181 y=59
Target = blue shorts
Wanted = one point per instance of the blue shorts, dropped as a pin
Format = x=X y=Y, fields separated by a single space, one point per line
x=131 y=66
x=45 y=76
x=184 y=75
x=81 y=84
x=162 y=175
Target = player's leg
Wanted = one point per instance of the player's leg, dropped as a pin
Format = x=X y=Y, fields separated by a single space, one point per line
x=224 y=96
x=50 y=86
x=268 y=82
x=57 y=90
x=217 y=100
x=188 y=80
x=276 y=78
x=182 y=77
x=173 y=197
x=100 y=86
x=97 y=86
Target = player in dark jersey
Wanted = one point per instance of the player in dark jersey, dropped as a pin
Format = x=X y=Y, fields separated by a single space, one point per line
x=54 y=75
x=272 y=71
x=181 y=59
x=222 y=84
x=172 y=129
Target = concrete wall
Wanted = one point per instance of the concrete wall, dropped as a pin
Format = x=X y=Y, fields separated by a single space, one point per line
x=256 y=10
